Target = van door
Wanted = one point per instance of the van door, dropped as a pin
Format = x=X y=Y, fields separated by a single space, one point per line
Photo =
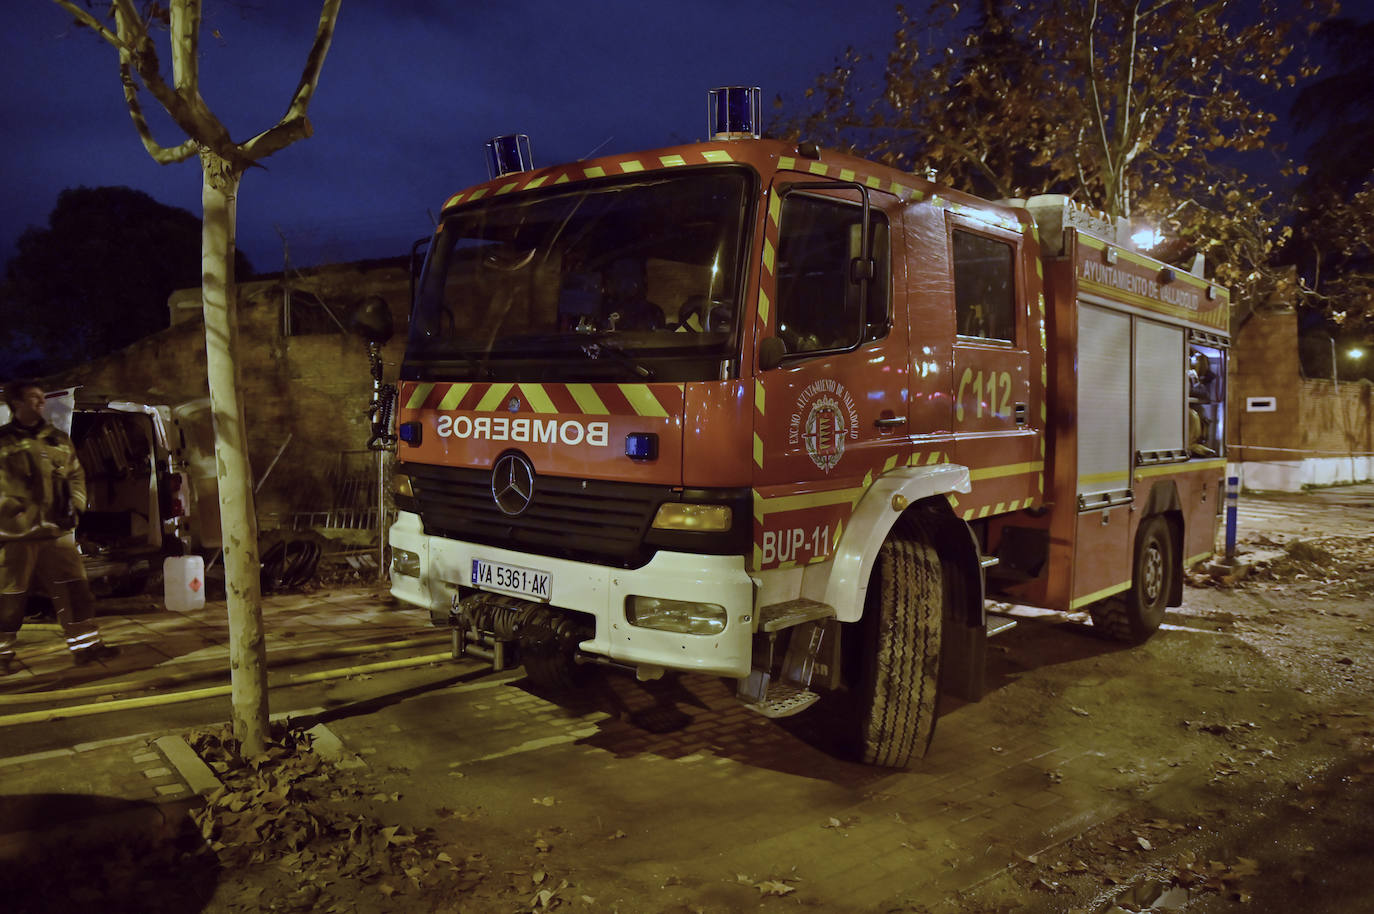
x=193 y=446
x=832 y=415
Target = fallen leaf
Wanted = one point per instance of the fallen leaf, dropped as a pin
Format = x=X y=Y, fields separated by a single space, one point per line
x=773 y=887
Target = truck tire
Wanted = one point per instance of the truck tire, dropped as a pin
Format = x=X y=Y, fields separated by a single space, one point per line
x=901 y=652
x=1136 y=615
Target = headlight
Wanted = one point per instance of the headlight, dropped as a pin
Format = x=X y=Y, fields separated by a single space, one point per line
x=404 y=562
x=675 y=615
x=702 y=518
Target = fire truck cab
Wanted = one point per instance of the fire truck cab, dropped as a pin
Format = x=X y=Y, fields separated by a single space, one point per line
x=759 y=410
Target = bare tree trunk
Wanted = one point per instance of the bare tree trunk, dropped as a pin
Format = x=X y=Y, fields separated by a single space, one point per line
x=238 y=517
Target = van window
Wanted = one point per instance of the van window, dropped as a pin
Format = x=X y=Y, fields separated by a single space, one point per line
x=984 y=287
x=818 y=303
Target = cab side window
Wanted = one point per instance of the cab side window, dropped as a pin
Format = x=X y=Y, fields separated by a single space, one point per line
x=818 y=302
x=984 y=287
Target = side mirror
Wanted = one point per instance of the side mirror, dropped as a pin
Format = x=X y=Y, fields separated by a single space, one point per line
x=372 y=320
x=771 y=351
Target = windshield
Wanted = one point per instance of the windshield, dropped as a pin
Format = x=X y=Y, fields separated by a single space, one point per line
x=638 y=278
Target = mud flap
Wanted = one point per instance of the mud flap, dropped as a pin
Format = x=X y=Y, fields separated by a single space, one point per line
x=963 y=647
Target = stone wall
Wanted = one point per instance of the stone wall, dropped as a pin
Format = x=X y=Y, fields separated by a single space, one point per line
x=309 y=393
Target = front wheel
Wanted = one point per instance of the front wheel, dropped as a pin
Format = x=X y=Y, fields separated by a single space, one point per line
x=1138 y=613
x=901 y=651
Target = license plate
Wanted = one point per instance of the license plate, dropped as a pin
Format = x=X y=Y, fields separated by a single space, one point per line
x=524 y=582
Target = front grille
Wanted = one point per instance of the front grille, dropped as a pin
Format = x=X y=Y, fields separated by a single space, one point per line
x=585 y=520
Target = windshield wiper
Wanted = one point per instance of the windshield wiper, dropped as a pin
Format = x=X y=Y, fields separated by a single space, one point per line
x=602 y=348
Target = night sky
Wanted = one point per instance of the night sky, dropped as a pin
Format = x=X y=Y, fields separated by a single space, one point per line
x=410 y=92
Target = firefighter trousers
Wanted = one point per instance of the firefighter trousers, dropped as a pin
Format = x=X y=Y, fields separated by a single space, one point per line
x=57 y=566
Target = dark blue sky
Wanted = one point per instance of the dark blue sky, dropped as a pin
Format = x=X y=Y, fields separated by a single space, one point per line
x=410 y=92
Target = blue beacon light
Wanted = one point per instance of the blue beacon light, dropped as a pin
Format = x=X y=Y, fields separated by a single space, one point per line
x=508 y=154
x=734 y=113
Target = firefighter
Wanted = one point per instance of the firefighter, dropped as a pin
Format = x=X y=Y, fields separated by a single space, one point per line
x=42 y=492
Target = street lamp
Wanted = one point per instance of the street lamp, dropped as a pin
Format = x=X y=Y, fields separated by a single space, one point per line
x=1354 y=352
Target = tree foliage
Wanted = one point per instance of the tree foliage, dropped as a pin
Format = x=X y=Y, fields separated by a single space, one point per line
x=97 y=277
x=1138 y=108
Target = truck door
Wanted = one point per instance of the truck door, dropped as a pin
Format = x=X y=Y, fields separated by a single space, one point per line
x=832 y=414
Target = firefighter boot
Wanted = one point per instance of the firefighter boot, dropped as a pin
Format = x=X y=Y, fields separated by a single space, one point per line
x=76 y=614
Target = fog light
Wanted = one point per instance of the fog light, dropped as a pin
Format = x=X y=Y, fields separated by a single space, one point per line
x=405 y=563
x=703 y=518
x=675 y=615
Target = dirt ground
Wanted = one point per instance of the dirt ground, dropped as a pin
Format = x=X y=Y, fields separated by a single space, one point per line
x=1249 y=723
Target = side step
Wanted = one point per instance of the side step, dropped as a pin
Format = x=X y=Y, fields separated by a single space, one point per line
x=783 y=700
x=788 y=691
x=999 y=624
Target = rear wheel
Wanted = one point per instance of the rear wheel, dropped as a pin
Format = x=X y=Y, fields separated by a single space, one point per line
x=1137 y=614
x=901 y=652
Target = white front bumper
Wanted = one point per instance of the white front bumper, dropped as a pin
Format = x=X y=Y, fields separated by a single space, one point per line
x=601 y=592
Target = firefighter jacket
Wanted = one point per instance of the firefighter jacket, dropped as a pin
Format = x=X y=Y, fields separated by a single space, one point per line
x=42 y=485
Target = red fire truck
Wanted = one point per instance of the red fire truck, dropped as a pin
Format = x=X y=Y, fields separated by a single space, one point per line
x=755 y=409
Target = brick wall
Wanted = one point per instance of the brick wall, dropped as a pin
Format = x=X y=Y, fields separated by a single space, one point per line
x=1264 y=363
x=314 y=388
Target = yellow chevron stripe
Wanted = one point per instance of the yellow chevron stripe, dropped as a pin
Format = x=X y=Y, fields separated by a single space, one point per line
x=562 y=179
x=670 y=161
x=537 y=182
x=763 y=307
x=786 y=163
x=455 y=395
x=758 y=396
x=479 y=192
x=1099 y=594
x=846 y=174
x=716 y=155
x=933 y=458
x=419 y=395
x=596 y=171
x=1191 y=466
x=643 y=400
x=758 y=450
x=890 y=463
x=768 y=255
x=818 y=168
x=631 y=166
x=493 y=397
x=1012 y=469
x=812 y=500
x=775 y=208
x=506 y=188
x=587 y=400
x=539 y=398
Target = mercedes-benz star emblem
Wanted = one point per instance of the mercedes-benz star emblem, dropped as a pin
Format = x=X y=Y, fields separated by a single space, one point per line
x=514 y=404
x=512 y=484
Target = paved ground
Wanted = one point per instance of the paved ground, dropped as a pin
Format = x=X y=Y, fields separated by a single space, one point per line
x=749 y=793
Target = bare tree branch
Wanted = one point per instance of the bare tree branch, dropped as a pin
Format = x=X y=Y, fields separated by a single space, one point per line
x=294 y=125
